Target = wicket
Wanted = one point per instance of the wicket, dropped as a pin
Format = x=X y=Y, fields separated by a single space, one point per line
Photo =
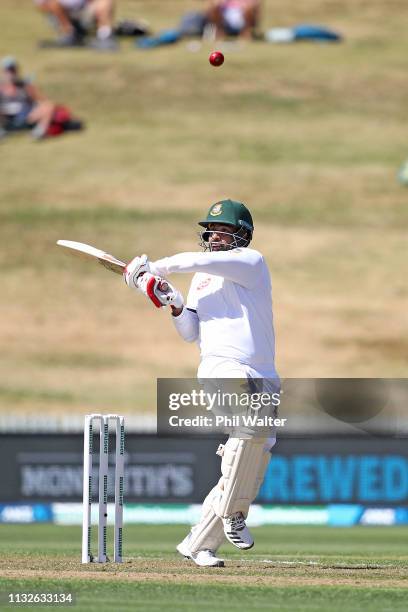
x=87 y=556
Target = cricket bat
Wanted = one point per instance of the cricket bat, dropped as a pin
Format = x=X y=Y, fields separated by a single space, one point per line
x=85 y=251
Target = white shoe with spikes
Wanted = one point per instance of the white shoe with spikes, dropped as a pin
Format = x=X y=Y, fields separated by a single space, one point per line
x=202 y=558
x=236 y=531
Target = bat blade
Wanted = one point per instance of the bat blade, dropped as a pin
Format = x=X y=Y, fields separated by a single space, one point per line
x=85 y=251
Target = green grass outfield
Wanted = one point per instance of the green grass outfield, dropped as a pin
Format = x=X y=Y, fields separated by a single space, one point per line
x=293 y=569
x=310 y=136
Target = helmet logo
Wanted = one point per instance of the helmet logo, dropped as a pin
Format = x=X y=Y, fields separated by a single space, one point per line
x=216 y=210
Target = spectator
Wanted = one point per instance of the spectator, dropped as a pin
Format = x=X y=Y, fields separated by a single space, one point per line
x=23 y=107
x=74 y=18
x=234 y=17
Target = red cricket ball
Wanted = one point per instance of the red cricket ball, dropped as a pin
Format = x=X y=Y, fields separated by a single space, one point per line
x=216 y=58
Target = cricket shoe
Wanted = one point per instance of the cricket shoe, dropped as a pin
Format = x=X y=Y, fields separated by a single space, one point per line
x=202 y=558
x=236 y=531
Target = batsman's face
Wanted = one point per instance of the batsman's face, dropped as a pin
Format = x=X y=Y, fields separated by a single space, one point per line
x=221 y=236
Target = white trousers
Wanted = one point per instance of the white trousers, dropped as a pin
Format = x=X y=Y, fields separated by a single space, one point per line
x=243 y=465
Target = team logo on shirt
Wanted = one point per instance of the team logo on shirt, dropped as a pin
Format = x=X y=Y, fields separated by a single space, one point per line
x=216 y=210
x=203 y=284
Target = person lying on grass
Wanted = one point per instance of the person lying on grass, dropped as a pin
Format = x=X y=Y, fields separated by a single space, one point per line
x=23 y=107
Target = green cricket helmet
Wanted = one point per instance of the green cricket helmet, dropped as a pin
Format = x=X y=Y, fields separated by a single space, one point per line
x=229 y=212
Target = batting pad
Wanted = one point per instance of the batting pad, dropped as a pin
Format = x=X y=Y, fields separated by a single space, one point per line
x=243 y=467
x=208 y=534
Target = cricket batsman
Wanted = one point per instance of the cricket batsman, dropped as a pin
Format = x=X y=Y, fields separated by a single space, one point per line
x=228 y=312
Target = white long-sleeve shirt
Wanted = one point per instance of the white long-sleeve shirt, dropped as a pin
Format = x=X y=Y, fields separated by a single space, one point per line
x=231 y=294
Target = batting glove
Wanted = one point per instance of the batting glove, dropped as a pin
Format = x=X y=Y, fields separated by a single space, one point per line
x=136 y=267
x=159 y=291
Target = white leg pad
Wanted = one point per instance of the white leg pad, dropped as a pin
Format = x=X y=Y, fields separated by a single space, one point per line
x=208 y=534
x=243 y=467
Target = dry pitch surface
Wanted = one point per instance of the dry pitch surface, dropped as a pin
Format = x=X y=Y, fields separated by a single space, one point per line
x=291 y=568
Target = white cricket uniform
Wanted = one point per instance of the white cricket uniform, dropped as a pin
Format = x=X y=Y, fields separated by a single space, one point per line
x=229 y=314
x=230 y=296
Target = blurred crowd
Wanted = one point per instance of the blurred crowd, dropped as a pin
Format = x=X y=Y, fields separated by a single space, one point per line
x=24 y=107
x=75 y=19
x=91 y=24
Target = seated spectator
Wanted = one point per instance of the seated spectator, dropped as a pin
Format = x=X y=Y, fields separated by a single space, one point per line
x=234 y=17
x=23 y=107
x=74 y=19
